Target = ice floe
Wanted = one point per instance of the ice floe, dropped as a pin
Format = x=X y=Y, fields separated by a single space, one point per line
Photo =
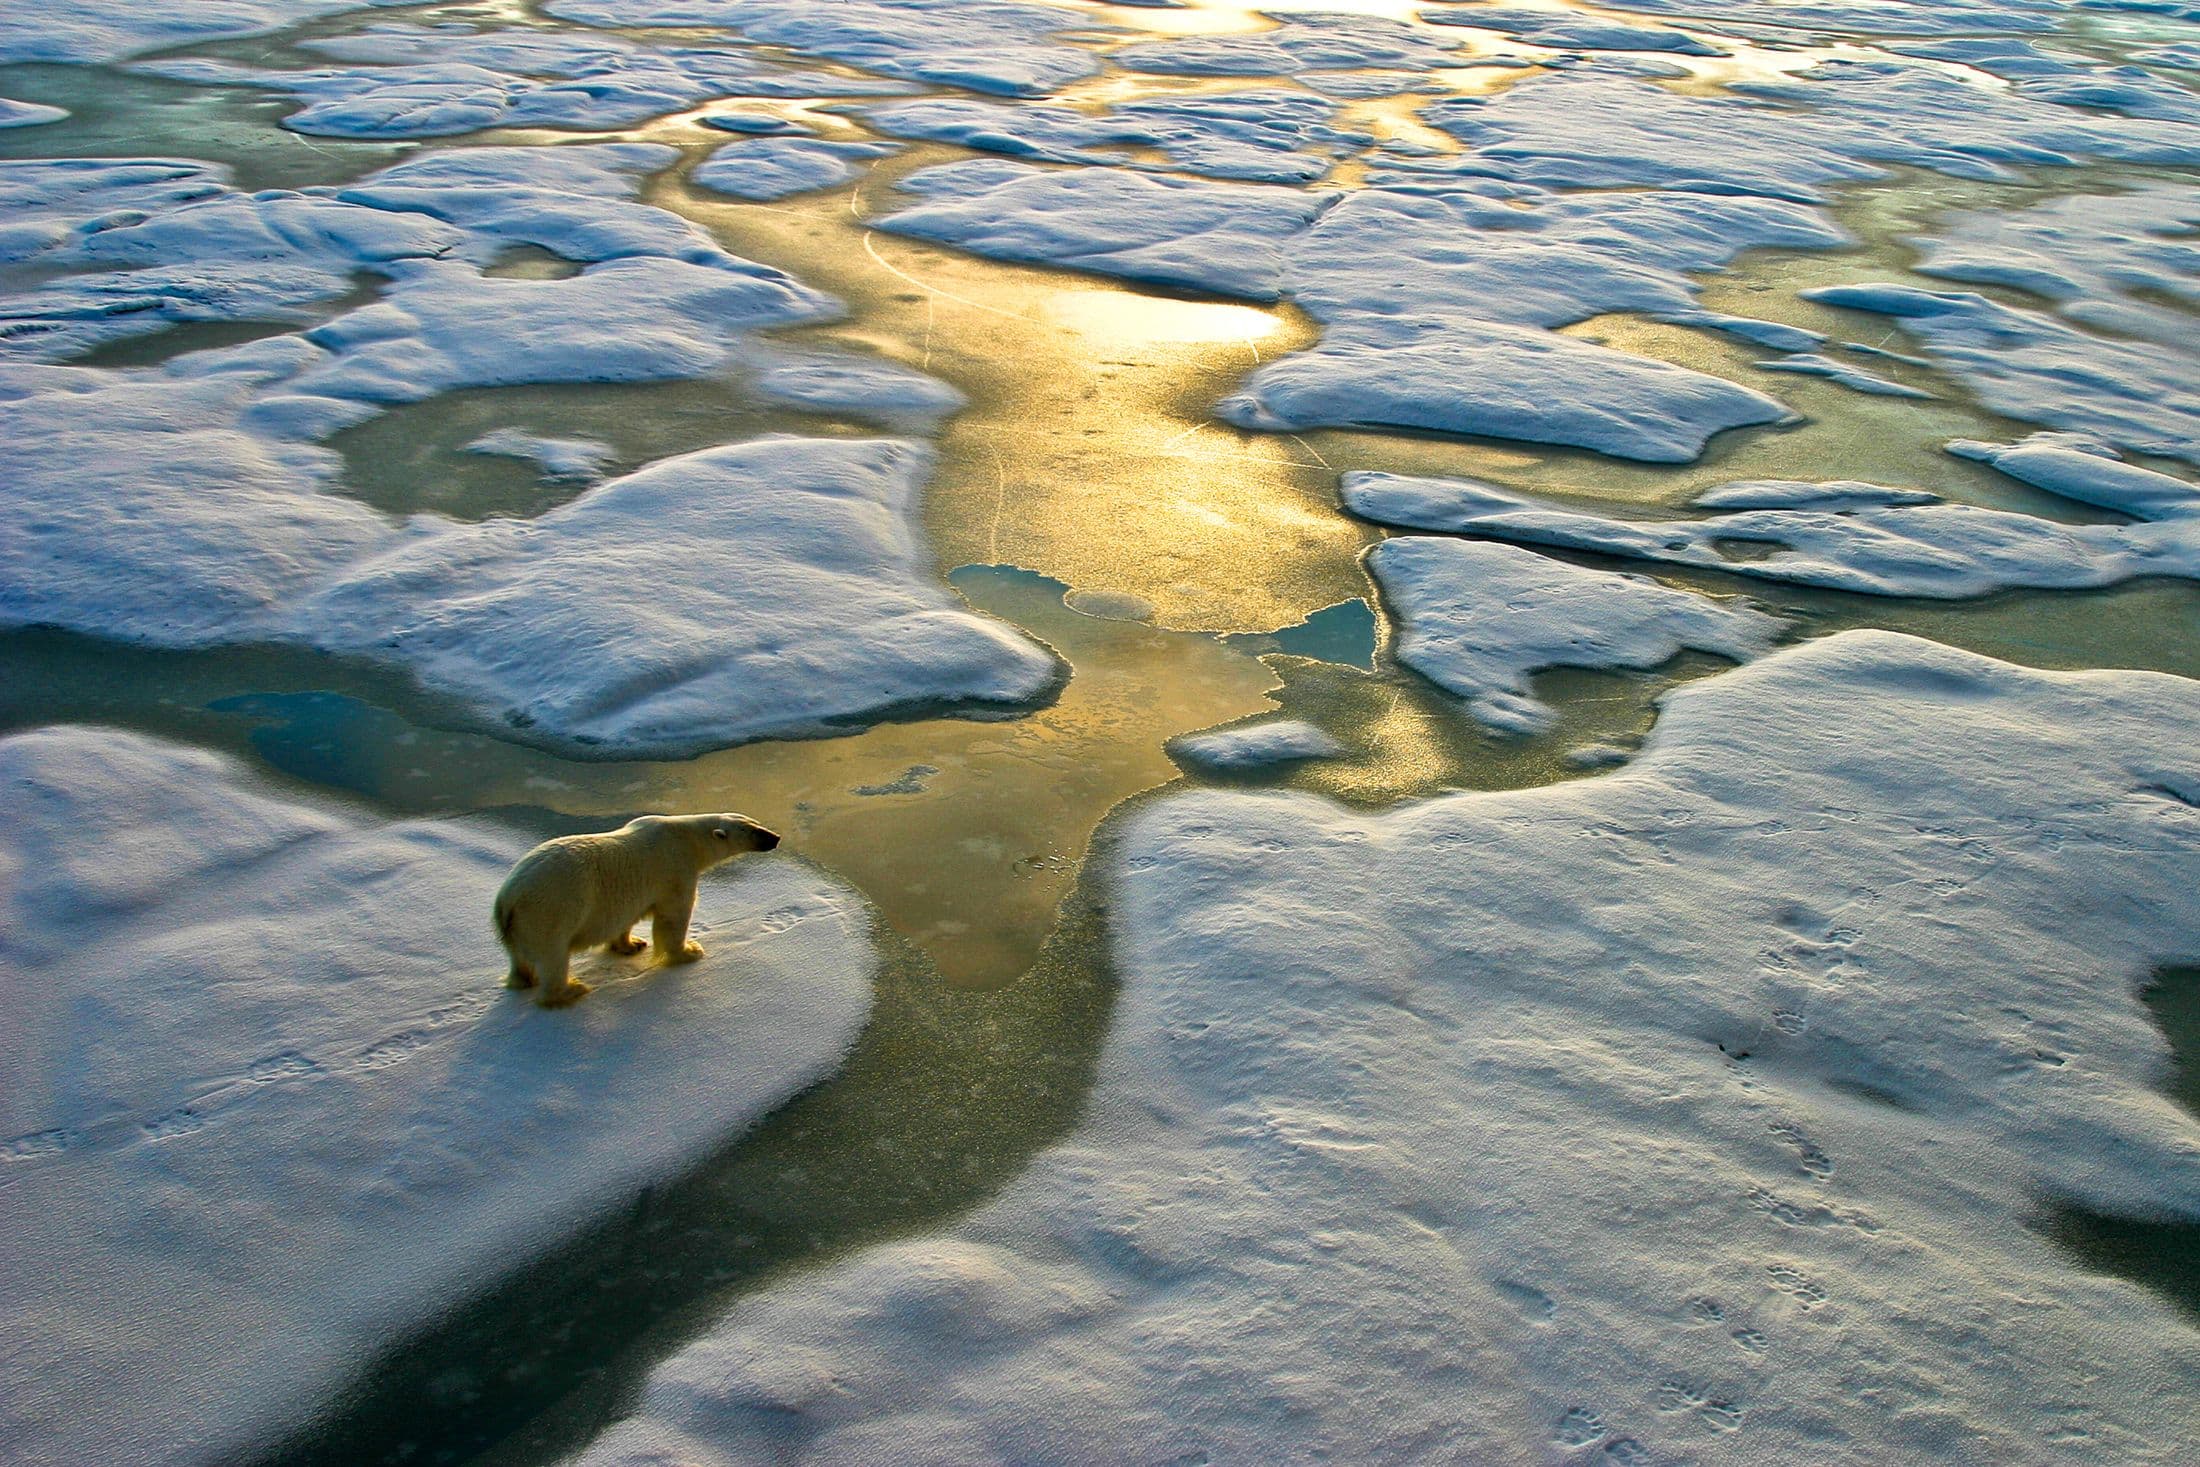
x=983 y=45
x=268 y=1108
x=1256 y=746
x=1794 y=138
x=1478 y=619
x=2135 y=393
x=1700 y=1111
x=1847 y=536
x=1268 y=136
x=557 y=458
x=422 y=82
x=1570 y=31
x=1431 y=301
x=768 y=168
x=108 y=30
x=1313 y=42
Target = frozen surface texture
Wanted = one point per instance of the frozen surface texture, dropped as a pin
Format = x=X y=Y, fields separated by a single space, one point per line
x=1793 y=138
x=268 y=1108
x=982 y=45
x=1256 y=746
x=1854 y=537
x=107 y=30
x=1695 y=1112
x=772 y=168
x=1298 y=43
x=765 y=588
x=1433 y=301
x=1478 y=619
x=2112 y=355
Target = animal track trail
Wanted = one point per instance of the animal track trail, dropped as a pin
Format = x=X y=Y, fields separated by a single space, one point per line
x=1578 y=1427
x=1675 y=1398
x=1753 y=1341
x=1812 y=1160
x=1798 y=1285
x=226 y=1094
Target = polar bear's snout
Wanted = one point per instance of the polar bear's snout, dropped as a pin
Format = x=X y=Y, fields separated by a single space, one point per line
x=586 y=891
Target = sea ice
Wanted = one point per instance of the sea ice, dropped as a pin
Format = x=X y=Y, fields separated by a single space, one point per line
x=2134 y=393
x=557 y=458
x=1846 y=536
x=766 y=168
x=1699 y=1111
x=1227 y=238
x=269 y=1110
x=1478 y=619
x=28 y=114
x=1300 y=42
x=1569 y=31
x=1791 y=139
x=984 y=45
x=1429 y=300
x=108 y=30
x=1256 y=746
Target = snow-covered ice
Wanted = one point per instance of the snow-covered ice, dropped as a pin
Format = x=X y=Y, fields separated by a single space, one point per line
x=557 y=458
x=1478 y=619
x=2033 y=366
x=1845 y=536
x=1570 y=31
x=28 y=114
x=983 y=45
x=769 y=588
x=1697 y=1111
x=268 y=1108
x=108 y=30
x=1432 y=302
x=1227 y=238
x=1256 y=745
x=766 y=168
x=1301 y=42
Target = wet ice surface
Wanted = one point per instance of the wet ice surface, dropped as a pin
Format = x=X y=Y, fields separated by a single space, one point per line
x=1702 y=1110
x=1631 y=1115
x=1881 y=542
x=277 y=1109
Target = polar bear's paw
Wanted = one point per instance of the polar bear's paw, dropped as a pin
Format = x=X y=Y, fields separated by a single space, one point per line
x=573 y=991
x=626 y=945
x=688 y=953
x=519 y=978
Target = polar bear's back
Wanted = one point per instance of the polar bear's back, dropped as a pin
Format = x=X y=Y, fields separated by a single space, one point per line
x=585 y=883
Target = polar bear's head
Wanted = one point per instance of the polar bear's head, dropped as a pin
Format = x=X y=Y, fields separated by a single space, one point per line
x=715 y=838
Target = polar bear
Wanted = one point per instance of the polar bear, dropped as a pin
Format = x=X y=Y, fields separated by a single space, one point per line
x=589 y=890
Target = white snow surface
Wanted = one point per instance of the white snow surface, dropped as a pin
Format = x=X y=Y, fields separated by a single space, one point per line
x=768 y=168
x=769 y=588
x=270 y=1109
x=1432 y=301
x=1846 y=536
x=1479 y=619
x=1699 y=1111
x=983 y=45
x=1256 y=745
x=28 y=114
x=422 y=81
x=1299 y=42
x=1794 y=138
x=557 y=458
x=2129 y=390
x=1264 y=136
x=108 y=30
x=1570 y=31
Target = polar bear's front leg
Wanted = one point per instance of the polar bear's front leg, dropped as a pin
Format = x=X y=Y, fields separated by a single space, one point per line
x=668 y=928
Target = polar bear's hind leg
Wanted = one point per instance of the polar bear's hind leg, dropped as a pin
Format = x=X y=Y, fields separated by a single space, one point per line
x=626 y=945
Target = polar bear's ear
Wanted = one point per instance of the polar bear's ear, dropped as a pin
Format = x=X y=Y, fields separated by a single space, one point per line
x=718 y=832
